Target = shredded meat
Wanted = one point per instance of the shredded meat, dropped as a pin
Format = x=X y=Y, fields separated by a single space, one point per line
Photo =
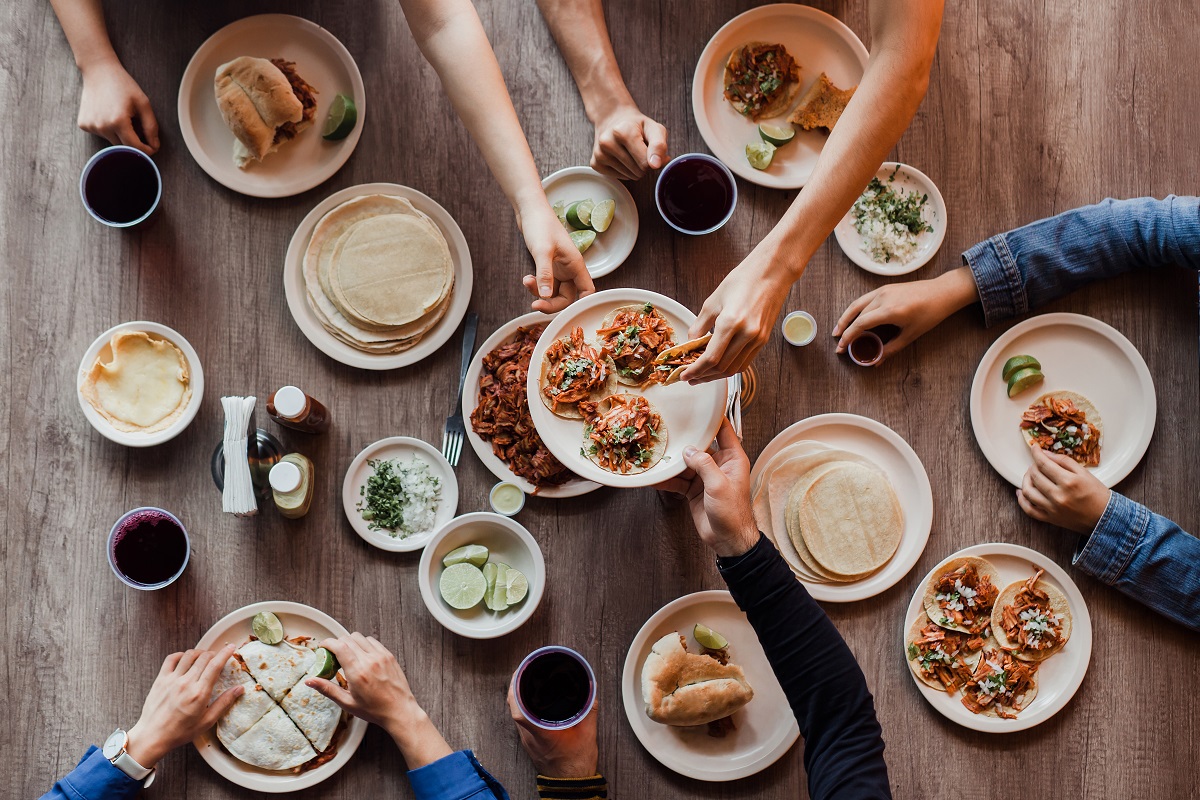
x=304 y=93
x=634 y=340
x=941 y=655
x=965 y=598
x=576 y=370
x=622 y=436
x=1058 y=426
x=1030 y=623
x=1000 y=681
x=759 y=73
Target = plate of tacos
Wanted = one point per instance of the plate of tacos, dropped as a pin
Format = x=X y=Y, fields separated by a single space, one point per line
x=610 y=406
x=997 y=638
x=1069 y=384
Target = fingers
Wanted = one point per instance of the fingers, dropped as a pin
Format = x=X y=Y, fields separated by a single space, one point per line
x=169 y=663
x=186 y=661
x=600 y=164
x=704 y=465
x=713 y=354
x=1040 y=481
x=703 y=324
x=345 y=649
x=1029 y=508
x=128 y=136
x=614 y=144
x=656 y=143
x=870 y=318
x=216 y=664
x=727 y=438
x=200 y=665
x=852 y=311
x=1058 y=466
x=148 y=122
x=545 y=278
x=218 y=707
x=674 y=486
x=334 y=692
x=1033 y=494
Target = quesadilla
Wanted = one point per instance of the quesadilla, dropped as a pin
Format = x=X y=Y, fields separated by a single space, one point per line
x=276 y=667
x=274 y=743
x=315 y=715
x=247 y=709
x=681 y=688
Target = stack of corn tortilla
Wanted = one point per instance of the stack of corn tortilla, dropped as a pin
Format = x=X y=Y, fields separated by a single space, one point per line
x=832 y=514
x=378 y=273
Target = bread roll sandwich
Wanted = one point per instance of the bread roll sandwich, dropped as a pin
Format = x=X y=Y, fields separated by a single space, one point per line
x=265 y=103
x=683 y=689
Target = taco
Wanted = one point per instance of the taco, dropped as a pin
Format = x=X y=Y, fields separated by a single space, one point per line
x=574 y=370
x=761 y=80
x=1000 y=686
x=961 y=593
x=941 y=658
x=634 y=336
x=1031 y=619
x=671 y=363
x=1065 y=423
x=624 y=434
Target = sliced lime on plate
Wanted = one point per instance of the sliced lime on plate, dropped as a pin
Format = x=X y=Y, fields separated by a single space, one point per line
x=516 y=586
x=708 y=638
x=462 y=586
x=778 y=135
x=583 y=240
x=602 y=215
x=267 y=627
x=1017 y=363
x=475 y=554
x=342 y=117
x=579 y=213
x=1023 y=379
x=560 y=211
x=759 y=154
x=494 y=573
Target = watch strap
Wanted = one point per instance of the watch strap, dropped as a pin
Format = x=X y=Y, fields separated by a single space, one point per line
x=131 y=767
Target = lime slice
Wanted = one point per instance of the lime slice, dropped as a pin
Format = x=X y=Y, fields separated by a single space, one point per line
x=462 y=586
x=579 y=213
x=325 y=666
x=516 y=586
x=1018 y=363
x=602 y=215
x=759 y=154
x=475 y=554
x=1024 y=378
x=495 y=573
x=560 y=211
x=778 y=135
x=343 y=115
x=267 y=627
x=708 y=638
x=583 y=239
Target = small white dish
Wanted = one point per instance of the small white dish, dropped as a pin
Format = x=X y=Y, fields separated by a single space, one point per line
x=405 y=448
x=131 y=438
x=612 y=247
x=800 y=342
x=928 y=242
x=508 y=542
x=494 y=499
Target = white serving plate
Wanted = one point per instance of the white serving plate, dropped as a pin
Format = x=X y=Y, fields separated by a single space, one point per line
x=765 y=728
x=303 y=163
x=1080 y=354
x=131 y=438
x=234 y=628
x=310 y=325
x=612 y=247
x=1059 y=676
x=818 y=42
x=404 y=448
x=928 y=242
x=888 y=450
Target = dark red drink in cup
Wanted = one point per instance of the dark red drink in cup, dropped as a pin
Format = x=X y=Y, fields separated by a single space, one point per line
x=148 y=548
x=695 y=193
x=120 y=186
x=554 y=687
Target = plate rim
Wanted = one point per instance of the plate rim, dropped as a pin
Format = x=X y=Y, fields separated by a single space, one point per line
x=442 y=331
x=862 y=260
x=853 y=592
x=350 y=488
x=1092 y=324
x=632 y=702
x=189 y=79
x=1075 y=597
x=618 y=188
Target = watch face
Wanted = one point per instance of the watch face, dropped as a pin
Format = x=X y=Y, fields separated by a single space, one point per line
x=114 y=744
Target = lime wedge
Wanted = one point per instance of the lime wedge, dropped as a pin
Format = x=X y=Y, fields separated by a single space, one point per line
x=516 y=586
x=1018 y=363
x=759 y=154
x=325 y=666
x=1024 y=378
x=267 y=627
x=342 y=117
x=560 y=210
x=778 y=135
x=708 y=638
x=475 y=554
x=495 y=573
x=602 y=215
x=579 y=213
x=462 y=586
x=583 y=239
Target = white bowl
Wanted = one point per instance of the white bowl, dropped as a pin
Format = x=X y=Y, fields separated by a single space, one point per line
x=133 y=438
x=508 y=542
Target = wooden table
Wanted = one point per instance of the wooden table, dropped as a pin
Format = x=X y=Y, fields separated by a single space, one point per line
x=1033 y=108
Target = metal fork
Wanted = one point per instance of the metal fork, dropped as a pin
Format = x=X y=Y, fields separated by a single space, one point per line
x=456 y=429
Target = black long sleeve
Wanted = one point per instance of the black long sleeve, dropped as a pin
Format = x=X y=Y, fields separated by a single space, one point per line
x=843 y=743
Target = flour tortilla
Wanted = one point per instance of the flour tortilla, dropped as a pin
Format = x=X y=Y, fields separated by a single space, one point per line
x=315 y=715
x=245 y=712
x=1058 y=605
x=804 y=447
x=139 y=383
x=850 y=519
x=914 y=633
x=982 y=566
x=276 y=667
x=274 y=743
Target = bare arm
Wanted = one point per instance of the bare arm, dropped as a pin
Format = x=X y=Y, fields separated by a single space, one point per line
x=445 y=30
x=628 y=143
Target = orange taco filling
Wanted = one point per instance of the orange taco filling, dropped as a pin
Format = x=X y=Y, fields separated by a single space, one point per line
x=622 y=437
x=758 y=73
x=576 y=370
x=965 y=598
x=634 y=340
x=1057 y=425
x=1030 y=623
x=940 y=655
x=999 y=682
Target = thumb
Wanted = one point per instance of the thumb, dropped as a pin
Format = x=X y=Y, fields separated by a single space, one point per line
x=218 y=707
x=545 y=278
x=334 y=692
x=656 y=144
x=703 y=465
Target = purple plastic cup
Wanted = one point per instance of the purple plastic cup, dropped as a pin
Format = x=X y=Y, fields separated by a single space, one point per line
x=695 y=194
x=555 y=687
x=120 y=186
x=148 y=548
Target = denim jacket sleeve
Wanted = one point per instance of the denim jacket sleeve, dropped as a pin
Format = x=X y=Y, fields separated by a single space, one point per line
x=94 y=778
x=1147 y=557
x=458 y=776
x=1032 y=265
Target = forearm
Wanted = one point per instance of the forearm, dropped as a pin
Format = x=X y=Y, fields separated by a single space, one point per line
x=582 y=35
x=417 y=737
x=83 y=23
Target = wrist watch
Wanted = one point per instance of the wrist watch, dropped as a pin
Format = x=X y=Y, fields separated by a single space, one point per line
x=114 y=751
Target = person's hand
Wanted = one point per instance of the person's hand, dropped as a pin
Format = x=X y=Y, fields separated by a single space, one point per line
x=111 y=101
x=561 y=276
x=177 y=708
x=1062 y=492
x=569 y=753
x=717 y=488
x=915 y=308
x=628 y=144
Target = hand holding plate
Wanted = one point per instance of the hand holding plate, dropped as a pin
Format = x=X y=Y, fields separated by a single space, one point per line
x=569 y=753
x=1062 y=492
x=111 y=101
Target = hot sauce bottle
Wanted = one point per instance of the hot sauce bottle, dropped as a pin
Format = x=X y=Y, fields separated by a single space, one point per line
x=293 y=409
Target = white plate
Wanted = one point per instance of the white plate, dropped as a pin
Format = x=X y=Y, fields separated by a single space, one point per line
x=818 y=42
x=509 y=543
x=904 y=470
x=910 y=180
x=1080 y=354
x=766 y=728
x=692 y=413
x=234 y=628
x=1058 y=676
x=308 y=160
x=306 y=319
x=134 y=439
x=405 y=448
x=612 y=247
x=573 y=487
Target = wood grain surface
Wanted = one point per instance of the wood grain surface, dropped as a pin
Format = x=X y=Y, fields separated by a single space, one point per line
x=1033 y=108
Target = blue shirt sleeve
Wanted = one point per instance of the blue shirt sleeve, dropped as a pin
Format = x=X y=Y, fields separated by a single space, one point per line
x=94 y=778
x=457 y=776
x=1147 y=557
x=1032 y=265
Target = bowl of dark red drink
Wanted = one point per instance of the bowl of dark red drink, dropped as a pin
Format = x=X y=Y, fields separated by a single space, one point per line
x=148 y=548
